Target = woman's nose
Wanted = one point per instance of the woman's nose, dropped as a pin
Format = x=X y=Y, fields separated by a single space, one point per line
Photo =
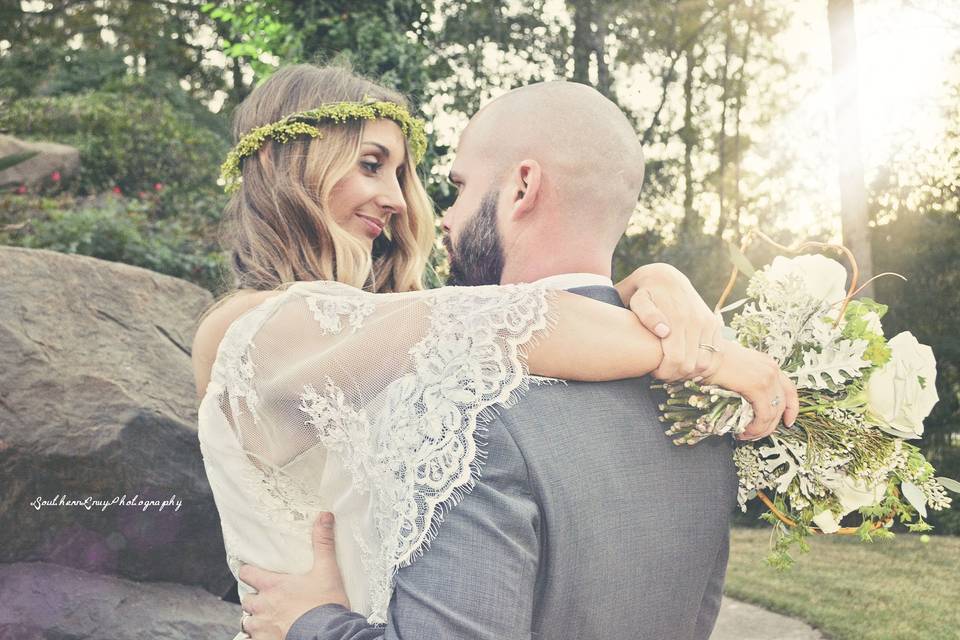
x=391 y=198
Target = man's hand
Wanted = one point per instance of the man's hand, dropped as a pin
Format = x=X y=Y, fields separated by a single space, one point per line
x=668 y=305
x=282 y=598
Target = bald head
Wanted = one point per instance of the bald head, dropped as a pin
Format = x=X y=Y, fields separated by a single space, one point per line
x=590 y=154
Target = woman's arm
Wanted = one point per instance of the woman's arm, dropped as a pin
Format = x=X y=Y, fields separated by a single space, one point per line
x=663 y=297
x=596 y=341
x=590 y=341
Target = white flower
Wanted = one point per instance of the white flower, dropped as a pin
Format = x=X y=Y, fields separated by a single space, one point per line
x=823 y=279
x=902 y=392
x=852 y=495
x=873 y=322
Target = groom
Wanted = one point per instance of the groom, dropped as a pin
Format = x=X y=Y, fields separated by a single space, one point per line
x=587 y=522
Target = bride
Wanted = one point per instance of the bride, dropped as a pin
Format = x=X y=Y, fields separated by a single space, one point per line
x=331 y=381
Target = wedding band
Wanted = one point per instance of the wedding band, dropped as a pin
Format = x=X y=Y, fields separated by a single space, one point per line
x=775 y=401
x=709 y=347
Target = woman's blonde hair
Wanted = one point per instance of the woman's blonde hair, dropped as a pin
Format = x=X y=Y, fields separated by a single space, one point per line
x=277 y=228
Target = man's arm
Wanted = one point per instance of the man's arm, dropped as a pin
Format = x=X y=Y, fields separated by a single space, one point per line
x=477 y=578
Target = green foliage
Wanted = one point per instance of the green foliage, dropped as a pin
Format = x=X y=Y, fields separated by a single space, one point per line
x=377 y=38
x=928 y=305
x=704 y=259
x=386 y=41
x=112 y=228
x=785 y=538
x=437 y=269
x=255 y=32
x=126 y=139
x=155 y=36
x=877 y=350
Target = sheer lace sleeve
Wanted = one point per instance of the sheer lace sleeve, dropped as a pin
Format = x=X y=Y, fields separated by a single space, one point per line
x=369 y=406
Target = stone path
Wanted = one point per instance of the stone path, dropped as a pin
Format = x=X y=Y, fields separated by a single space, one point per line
x=742 y=621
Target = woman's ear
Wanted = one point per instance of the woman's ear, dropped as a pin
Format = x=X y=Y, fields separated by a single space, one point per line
x=525 y=187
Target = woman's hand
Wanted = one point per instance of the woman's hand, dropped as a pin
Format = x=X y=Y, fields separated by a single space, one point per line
x=758 y=378
x=667 y=304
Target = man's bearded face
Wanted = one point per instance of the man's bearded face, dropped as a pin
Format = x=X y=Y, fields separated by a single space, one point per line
x=477 y=258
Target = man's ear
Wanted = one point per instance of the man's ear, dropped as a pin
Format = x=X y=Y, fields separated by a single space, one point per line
x=524 y=187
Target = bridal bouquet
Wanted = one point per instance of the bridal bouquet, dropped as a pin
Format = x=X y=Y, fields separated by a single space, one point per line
x=862 y=397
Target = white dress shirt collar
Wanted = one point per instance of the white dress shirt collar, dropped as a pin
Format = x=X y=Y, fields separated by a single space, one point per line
x=571 y=280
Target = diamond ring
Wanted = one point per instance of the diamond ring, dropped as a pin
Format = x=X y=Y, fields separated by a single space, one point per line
x=775 y=401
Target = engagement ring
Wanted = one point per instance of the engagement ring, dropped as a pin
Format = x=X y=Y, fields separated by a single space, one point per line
x=775 y=401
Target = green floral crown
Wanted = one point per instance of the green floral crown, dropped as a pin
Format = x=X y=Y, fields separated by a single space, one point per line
x=304 y=123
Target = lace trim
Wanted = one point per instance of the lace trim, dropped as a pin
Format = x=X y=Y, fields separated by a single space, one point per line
x=340 y=428
x=327 y=312
x=425 y=457
x=233 y=367
x=470 y=361
x=281 y=497
x=421 y=454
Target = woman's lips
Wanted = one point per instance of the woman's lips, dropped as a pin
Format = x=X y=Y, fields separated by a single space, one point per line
x=373 y=226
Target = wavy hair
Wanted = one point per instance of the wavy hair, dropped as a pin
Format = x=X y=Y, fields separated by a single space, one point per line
x=277 y=228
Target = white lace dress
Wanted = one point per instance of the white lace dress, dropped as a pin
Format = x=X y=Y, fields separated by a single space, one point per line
x=328 y=398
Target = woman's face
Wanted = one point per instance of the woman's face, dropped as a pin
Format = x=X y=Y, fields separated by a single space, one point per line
x=363 y=201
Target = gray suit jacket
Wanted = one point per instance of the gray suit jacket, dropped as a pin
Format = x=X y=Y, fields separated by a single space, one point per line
x=587 y=523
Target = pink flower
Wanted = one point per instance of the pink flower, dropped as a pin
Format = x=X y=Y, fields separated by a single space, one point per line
x=158 y=186
x=142 y=195
x=22 y=189
x=117 y=191
x=55 y=176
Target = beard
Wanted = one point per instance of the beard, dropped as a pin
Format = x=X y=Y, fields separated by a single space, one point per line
x=478 y=257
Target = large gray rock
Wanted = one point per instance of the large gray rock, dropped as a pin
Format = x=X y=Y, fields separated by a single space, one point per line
x=97 y=400
x=38 y=169
x=44 y=601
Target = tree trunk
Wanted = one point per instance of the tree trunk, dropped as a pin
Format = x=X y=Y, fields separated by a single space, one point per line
x=722 y=135
x=853 y=196
x=582 y=41
x=240 y=90
x=737 y=138
x=691 y=219
x=604 y=81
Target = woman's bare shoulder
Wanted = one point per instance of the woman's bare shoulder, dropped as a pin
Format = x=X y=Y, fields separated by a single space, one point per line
x=212 y=328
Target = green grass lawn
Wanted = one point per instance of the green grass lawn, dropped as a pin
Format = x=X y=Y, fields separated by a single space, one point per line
x=902 y=589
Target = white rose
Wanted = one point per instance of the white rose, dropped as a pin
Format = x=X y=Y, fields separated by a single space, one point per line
x=824 y=279
x=902 y=392
x=852 y=495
